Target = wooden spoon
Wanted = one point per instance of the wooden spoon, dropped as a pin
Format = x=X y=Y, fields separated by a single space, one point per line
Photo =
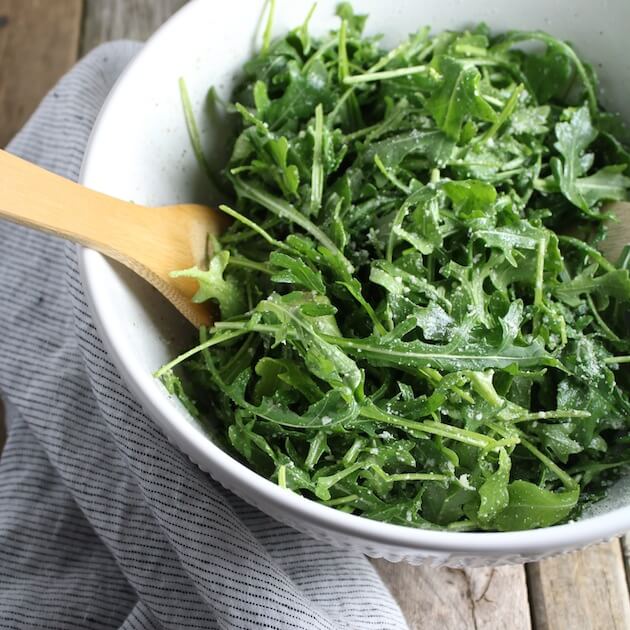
x=152 y=242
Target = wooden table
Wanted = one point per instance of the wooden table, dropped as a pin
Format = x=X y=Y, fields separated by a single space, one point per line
x=39 y=40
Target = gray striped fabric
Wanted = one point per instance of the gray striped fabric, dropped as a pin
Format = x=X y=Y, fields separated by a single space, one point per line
x=104 y=524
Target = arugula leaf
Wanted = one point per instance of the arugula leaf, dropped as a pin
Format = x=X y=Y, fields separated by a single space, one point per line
x=607 y=184
x=549 y=74
x=432 y=144
x=615 y=284
x=530 y=506
x=494 y=494
x=214 y=286
x=464 y=352
x=295 y=271
x=457 y=98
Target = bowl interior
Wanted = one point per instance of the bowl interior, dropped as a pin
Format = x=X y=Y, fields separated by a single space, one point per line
x=140 y=149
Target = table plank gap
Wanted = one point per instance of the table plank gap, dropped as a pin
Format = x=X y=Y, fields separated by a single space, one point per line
x=625 y=549
x=493 y=598
x=106 y=20
x=39 y=41
x=585 y=590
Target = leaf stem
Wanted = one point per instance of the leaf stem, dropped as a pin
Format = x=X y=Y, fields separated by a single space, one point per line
x=285 y=210
x=620 y=359
x=598 y=318
x=268 y=26
x=436 y=428
x=252 y=226
x=344 y=66
x=342 y=500
x=240 y=261
x=567 y=481
x=417 y=477
x=586 y=249
x=213 y=341
x=554 y=414
x=389 y=175
x=282 y=476
x=317 y=170
x=396 y=223
x=193 y=132
x=370 y=77
x=504 y=115
x=540 y=270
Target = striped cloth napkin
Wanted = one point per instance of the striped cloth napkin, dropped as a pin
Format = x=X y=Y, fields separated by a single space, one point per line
x=104 y=524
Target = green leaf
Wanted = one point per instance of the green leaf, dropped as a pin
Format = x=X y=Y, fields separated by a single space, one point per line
x=295 y=271
x=494 y=492
x=332 y=409
x=303 y=93
x=549 y=74
x=531 y=506
x=573 y=138
x=287 y=175
x=511 y=238
x=607 y=184
x=213 y=285
x=471 y=197
x=433 y=144
x=557 y=439
x=462 y=353
x=457 y=97
x=612 y=284
x=322 y=358
x=444 y=505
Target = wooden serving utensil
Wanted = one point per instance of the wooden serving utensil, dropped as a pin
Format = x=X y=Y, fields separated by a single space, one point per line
x=152 y=242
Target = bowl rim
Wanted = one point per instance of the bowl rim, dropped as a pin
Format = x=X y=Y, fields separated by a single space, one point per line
x=223 y=466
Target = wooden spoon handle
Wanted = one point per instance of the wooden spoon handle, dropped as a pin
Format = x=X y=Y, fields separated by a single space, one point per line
x=34 y=197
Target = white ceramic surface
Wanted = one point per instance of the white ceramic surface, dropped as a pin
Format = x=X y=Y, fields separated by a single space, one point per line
x=139 y=150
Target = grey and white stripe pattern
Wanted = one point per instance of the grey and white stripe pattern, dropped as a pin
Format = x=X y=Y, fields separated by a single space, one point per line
x=104 y=524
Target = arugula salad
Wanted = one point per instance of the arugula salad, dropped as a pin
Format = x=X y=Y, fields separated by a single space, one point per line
x=415 y=322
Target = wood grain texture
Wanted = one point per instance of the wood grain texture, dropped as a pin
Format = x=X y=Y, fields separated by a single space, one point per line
x=459 y=599
x=105 y=20
x=586 y=590
x=625 y=549
x=39 y=41
x=150 y=241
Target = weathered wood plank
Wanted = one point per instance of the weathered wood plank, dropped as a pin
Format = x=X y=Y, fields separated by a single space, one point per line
x=459 y=599
x=625 y=549
x=130 y=19
x=39 y=41
x=585 y=590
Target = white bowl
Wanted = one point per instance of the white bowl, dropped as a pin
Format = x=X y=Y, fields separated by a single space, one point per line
x=139 y=150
